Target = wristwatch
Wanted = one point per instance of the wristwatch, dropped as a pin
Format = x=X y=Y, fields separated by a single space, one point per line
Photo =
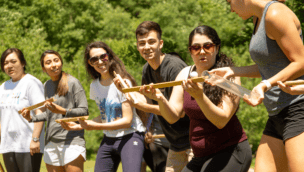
x=35 y=139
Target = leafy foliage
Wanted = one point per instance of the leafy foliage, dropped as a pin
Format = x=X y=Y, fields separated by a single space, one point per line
x=67 y=26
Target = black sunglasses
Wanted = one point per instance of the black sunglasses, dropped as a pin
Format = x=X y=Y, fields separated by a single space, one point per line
x=103 y=57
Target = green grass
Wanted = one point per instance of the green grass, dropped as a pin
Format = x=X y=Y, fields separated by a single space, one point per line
x=88 y=166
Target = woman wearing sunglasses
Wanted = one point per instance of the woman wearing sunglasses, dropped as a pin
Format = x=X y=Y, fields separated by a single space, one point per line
x=21 y=142
x=217 y=138
x=123 y=129
x=277 y=49
x=65 y=150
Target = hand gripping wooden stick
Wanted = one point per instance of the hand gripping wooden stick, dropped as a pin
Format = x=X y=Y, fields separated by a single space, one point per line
x=124 y=85
x=71 y=119
x=290 y=83
x=163 y=84
x=37 y=105
x=158 y=136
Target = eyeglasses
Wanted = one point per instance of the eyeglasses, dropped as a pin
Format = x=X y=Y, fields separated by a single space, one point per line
x=207 y=47
x=103 y=57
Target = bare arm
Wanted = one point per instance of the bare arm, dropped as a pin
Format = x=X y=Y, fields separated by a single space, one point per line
x=244 y=71
x=38 y=126
x=124 y=122
x=171 y=110
x=287 y=35
x=143 y=103
x=220 y=114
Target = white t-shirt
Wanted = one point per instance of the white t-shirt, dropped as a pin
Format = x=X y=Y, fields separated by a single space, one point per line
x=16 y=132
x=109 y=100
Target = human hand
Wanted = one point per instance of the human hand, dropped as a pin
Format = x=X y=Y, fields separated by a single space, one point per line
x=26 y=114
x=293 y=90
x=225 y=72
x=195 y=89
x=70 y=126
x=55 y=108
x=118 y=83
x=151 y=92
x=87 y=124
x=34 y=147
x=149 y=137
x=257 y=95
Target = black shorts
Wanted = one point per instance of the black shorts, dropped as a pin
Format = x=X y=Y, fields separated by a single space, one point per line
x=231 y=159
x=288 y=123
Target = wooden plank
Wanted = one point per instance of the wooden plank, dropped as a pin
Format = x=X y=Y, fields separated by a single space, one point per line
x=290 y=83
x=72 y=119
x=163 y=84
x=37 y=105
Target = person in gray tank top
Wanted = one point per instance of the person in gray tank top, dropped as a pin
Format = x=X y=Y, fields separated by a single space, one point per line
x=277 y=49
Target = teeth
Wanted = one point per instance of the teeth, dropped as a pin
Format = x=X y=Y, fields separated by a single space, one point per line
x=101 y=67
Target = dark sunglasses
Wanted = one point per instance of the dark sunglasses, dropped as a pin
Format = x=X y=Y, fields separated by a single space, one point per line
x=103 y=57
x=207 y=47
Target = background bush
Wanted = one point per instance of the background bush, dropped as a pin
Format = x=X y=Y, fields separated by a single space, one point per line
x=67 y=26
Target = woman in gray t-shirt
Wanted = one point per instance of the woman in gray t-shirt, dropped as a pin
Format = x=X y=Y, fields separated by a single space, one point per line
x=276 y=47
x=64 y=150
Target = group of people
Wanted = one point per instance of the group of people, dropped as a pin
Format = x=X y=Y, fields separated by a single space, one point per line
x=203 y=133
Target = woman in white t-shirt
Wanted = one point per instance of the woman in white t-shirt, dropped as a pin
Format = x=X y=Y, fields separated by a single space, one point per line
x=123 y=129
x=22 y=142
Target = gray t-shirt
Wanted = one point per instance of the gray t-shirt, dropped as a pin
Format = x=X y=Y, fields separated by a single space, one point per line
x=270 y=59
x=76 y=104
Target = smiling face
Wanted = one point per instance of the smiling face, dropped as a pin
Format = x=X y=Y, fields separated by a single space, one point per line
x=13 y=67
x=52 y=66
x=102 y=65
x=149 y=46
x=203 y=60
x=240 y=8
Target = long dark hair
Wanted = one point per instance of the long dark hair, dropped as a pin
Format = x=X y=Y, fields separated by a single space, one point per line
x=10 y=51
x=115 y=64
x=214 y=93
x=63 y=87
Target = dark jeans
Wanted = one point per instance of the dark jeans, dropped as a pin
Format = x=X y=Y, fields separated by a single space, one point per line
x=128 y=149
x=156 y=157
x=235 y=158
x=22 y=162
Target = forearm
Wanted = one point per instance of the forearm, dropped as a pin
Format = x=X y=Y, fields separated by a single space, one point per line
x=168 y=111
x=81 y=105
x=74 y=112
x=115 y=125
x=149 y=108
x=218 y=116
x=292 y=71
x=247 y=71
x=38 y=126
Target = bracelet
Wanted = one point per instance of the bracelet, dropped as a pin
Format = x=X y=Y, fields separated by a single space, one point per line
x=267 y=83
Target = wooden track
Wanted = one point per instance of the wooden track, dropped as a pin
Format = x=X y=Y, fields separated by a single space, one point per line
x=163 y=84
x=290 y=83
x=71 y=119
x=38 y=105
